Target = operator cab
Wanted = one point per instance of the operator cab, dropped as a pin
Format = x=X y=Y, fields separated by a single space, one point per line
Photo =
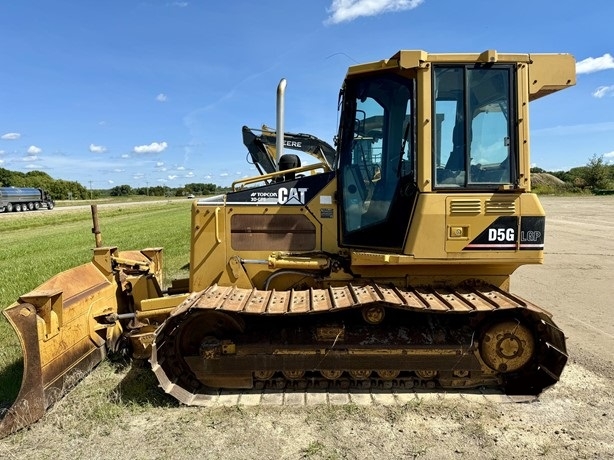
x=382 y=142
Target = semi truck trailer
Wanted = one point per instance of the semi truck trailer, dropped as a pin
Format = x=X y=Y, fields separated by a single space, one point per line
x=24 y=199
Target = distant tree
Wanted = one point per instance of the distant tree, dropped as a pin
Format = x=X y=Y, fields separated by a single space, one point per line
x=536 y=170
x=38 y=179
x=198 y=188
x=121 y=190
x=5 y=177
x=159 y=190
x=58 y=189
x=38 y=175
x=565 y=176
x=95 y=194
x=62 y=190
x=596 y=174
x=12 y=178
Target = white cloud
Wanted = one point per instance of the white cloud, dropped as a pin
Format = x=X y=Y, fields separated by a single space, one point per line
x=11 y=136
x=34 y=150
x=180 y=4
x=97 y=148
x=125 y=155
x=30 y=158
x=1 y=162
x=348 y=10
x=154 y=147
x=223 y=174
x=172 y=176
x=118 y=170
x=161 y=97
x=604 y=91
x=609 y=155
x=111 y=181
x=180 y=168
x=190 y=174
x=159 y=164
x=590 y=65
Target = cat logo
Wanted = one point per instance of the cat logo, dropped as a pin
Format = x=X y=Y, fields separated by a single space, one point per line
x=291 y=196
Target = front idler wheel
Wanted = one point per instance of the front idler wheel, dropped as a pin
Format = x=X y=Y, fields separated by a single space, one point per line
x=507 y=346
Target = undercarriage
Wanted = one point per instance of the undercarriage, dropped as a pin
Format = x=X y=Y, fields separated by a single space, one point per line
x=367 y=337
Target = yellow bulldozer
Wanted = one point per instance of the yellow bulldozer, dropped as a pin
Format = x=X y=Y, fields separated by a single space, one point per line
x=385 y=263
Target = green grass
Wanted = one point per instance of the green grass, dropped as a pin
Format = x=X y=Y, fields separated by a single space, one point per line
x=35 y=247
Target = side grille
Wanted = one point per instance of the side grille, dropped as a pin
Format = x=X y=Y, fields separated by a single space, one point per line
x=500 y=207
x=465 y=206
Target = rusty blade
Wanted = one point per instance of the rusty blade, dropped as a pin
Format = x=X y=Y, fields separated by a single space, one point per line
x=60 y=339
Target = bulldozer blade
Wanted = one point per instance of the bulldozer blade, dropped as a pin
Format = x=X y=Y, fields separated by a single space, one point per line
x=63 y=335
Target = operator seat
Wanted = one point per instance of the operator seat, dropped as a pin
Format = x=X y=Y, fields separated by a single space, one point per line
x=289 y=161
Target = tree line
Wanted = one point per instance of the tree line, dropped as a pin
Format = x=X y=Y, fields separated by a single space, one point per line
x=195 y=188
x=595 y=176
x=58 y=189
x=70 y=190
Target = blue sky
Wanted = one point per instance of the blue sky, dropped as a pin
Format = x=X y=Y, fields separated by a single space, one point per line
x=155 y=92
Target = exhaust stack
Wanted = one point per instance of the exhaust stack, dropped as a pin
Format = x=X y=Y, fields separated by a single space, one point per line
x=279 y=142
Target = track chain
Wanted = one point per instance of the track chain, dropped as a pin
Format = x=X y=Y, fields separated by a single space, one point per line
x=176 y=378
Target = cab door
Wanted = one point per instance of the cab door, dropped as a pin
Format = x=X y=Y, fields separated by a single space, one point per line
x=377 y=161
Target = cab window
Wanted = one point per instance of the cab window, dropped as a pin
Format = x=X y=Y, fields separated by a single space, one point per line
x=472 y=134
